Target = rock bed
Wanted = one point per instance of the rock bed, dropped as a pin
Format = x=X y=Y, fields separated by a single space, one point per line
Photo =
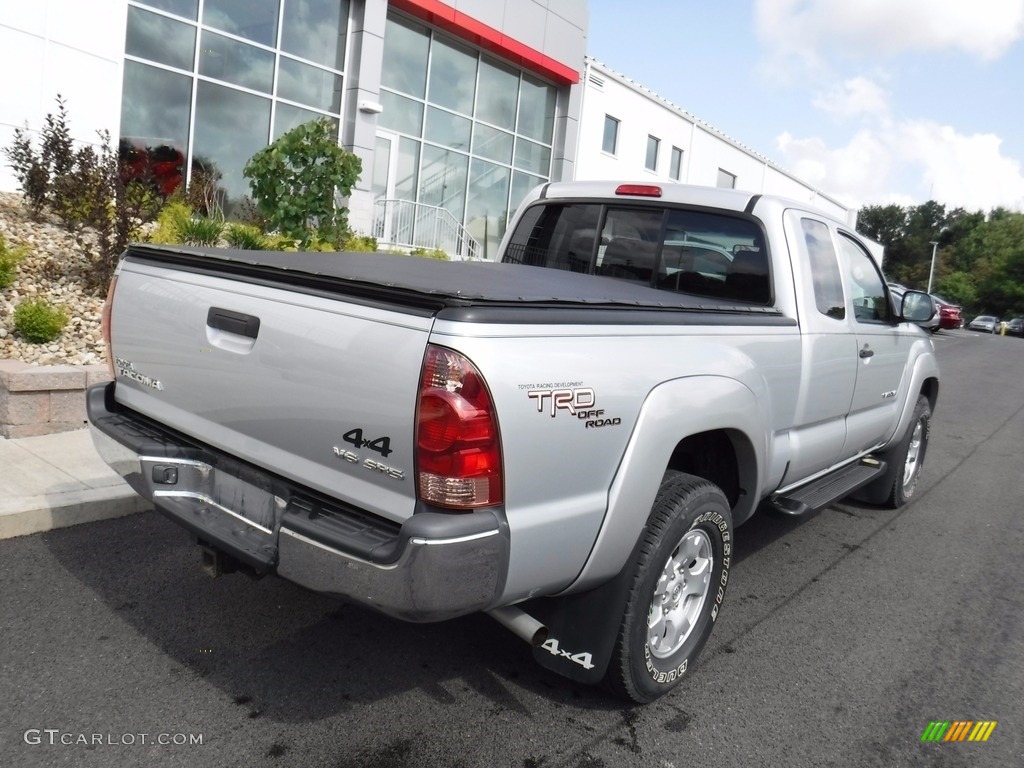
x=54 y=269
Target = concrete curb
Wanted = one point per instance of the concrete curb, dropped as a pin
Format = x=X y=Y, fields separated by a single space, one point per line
x=58 y=480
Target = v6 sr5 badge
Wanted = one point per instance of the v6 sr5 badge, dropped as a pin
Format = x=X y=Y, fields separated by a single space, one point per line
x=580 y=402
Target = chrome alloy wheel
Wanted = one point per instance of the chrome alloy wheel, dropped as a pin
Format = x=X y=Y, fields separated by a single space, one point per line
x=680 y=593
x=912 y=465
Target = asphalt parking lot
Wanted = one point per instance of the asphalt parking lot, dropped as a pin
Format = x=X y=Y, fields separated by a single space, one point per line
x=844 y=634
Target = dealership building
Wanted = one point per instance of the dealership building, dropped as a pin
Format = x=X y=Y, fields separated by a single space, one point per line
x=455 y=108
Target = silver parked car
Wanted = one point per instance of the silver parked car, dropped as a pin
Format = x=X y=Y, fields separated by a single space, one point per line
x=986 y=323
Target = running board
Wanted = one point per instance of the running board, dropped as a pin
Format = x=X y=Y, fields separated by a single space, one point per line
x=829 y=488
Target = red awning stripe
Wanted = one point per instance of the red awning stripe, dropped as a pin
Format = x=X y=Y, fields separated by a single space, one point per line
x=490 y=39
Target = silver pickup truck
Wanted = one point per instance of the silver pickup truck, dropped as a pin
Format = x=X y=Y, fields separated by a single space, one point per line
x=564 y=439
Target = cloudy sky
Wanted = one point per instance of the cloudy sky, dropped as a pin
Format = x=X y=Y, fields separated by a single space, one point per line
x=873 y=101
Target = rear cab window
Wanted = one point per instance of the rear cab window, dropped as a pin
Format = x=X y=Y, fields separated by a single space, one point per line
x=674 y=249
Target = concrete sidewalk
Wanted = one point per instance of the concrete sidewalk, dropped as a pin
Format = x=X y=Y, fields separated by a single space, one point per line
x=53 y=481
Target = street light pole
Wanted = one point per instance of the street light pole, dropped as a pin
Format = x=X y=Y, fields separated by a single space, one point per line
x=931 y=274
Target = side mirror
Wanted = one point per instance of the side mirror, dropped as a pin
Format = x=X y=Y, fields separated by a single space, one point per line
x=917 y=307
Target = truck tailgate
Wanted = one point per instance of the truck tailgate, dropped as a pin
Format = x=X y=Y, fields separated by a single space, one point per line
x=307 y=385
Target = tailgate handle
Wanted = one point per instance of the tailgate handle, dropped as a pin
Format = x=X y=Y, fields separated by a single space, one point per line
x=233 y=322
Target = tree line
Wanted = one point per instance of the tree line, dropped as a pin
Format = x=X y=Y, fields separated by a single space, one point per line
x=979 y=260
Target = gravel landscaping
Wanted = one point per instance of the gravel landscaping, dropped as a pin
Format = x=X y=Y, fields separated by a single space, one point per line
x=54 y=269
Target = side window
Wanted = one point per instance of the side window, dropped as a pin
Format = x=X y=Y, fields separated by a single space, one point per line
x=867 y=287
x=828 y=282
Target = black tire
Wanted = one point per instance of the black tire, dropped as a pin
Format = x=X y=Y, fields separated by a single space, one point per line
x=909 y=455
x=689 y=528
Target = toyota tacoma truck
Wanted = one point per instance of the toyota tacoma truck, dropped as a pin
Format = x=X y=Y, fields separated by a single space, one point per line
x=564 y=438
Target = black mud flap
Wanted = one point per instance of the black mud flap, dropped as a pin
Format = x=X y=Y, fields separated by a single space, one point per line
x=582 y=628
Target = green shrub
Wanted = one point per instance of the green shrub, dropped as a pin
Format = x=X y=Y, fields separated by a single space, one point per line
x=245 y=236
x=200 y=230
x=429 y=253
x=38 y=321
x=354 y=242
x=168 y=223
x=294 y=182
x=9 y=263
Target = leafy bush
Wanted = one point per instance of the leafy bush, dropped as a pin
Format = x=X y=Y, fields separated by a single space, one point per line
x=429 y=253
x=38 y=321
x=169 y=222
x=9 y=262
x=200 y=230
x=88 y=188
x=294 y=182
x=354 y=242
x=245 y=236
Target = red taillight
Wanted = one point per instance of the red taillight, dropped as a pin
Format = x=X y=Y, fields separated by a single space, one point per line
x=458 y=448
x=105 y=324
x=638 y=190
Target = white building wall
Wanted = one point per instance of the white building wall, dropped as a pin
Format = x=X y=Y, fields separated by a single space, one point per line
x=643 y=113
x=71 y=47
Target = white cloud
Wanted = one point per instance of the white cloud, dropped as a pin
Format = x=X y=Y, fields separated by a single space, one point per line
x=856 y=96
x=799 y=29
x=908 y=162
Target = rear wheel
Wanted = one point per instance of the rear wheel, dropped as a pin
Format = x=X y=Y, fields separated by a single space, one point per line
x=678 y=585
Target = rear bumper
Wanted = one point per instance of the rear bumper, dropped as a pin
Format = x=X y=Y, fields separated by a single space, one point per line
x=432 y=567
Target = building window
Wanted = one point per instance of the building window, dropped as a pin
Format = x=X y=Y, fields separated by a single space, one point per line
x=611 y=135
x=476 y=131
x=676 y=166
x=653 y=144
x=726 y=180
x=252 y=70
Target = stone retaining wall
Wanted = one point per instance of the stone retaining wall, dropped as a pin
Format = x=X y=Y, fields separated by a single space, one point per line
x=43 y=399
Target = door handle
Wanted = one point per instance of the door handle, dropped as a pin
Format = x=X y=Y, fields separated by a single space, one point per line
x=233 y=322
x=867 y=352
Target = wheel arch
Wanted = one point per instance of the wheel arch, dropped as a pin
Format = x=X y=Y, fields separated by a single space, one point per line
x=712 y=427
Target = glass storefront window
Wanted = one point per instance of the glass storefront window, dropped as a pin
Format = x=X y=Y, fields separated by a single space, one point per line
x=160 y=39
x=156 y=104
x=407 y=175
x=189 y=9
x=497 y=94
x=400 y=114
x=452 y=76
x=316 y=30
x=521 y=184
x=447 y=129
x=536 y=109
x=487 y=212
x=531 y=156
x=309 y=85
x=230 y=127
x=236 y=62
x=254 y=20
x=443 y=179
x=405 y=58
x=492 y=143
x=155 y=110
x=287 y=117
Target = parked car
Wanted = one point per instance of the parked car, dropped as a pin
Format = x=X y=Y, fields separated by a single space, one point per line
x=986 y=323
x=950 y=314
x=931 y=325
x=1015 y=327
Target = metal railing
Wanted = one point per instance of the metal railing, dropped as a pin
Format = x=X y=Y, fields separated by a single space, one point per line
x=405 y=224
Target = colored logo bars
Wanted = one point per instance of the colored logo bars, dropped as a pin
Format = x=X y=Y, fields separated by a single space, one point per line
x=958 y=730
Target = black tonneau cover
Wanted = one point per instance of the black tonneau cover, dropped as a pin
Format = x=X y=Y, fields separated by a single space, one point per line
x=437 y=284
